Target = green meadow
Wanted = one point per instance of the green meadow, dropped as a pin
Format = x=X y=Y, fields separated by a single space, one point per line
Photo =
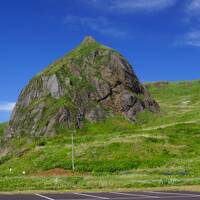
x=160 y=149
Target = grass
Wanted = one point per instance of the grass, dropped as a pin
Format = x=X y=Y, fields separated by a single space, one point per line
x=76 y=55
x=2 y=126
x=159 y=150
x=86 y=183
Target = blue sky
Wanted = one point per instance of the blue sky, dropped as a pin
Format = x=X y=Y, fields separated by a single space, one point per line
x=160 y=38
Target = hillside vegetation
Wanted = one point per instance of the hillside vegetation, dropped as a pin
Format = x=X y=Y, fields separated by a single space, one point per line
x=115 y=153
x=2 y=126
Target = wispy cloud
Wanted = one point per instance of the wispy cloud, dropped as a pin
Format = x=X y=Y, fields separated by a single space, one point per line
x=191 y=38
x=7 y=106
x=191 y=20
x=193 y=7
x=191 y=12
x=99 y=24
x=132 y=5
x=141 y=5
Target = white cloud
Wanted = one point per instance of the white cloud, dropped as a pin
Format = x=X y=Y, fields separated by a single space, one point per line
x=141 y=5
x=192 y=11
x=131 y=5
x=99 y=24
x=193 y=7
x=8 y=106
x=191 y=38
x=191 y=19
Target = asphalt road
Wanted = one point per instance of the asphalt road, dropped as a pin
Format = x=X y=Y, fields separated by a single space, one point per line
x=107 y=196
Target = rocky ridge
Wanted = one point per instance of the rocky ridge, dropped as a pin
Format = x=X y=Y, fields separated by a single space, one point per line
x=90 y=83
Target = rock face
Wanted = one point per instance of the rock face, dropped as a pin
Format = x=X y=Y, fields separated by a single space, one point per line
x=91 y=83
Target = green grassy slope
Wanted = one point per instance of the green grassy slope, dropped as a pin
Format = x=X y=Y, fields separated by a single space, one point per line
x=2 y=126
x=116 y=153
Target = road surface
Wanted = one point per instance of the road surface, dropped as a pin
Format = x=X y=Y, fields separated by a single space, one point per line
x=148 y=195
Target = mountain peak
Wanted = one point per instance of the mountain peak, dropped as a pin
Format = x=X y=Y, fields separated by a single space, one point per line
x=90 y=83
x=88 y=40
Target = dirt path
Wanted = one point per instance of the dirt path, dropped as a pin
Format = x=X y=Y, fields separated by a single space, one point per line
x=169 y=125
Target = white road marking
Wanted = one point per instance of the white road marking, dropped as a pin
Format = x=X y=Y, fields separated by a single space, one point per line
x=170 y=197
x=78 y=199
x=135 y=195
x=132 y=196
x=139 y=197
x=174 y=193
x=45 y=197
x=89 y=195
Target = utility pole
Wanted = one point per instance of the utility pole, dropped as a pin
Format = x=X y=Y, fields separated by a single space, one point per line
x=73 y=167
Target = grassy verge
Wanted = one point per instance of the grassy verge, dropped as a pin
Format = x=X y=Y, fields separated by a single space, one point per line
x=89 y=183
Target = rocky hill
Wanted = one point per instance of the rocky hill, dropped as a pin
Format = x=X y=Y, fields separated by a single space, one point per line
x=90 y=83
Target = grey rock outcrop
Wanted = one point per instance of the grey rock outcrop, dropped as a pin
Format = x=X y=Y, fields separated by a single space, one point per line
x=90 y=83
